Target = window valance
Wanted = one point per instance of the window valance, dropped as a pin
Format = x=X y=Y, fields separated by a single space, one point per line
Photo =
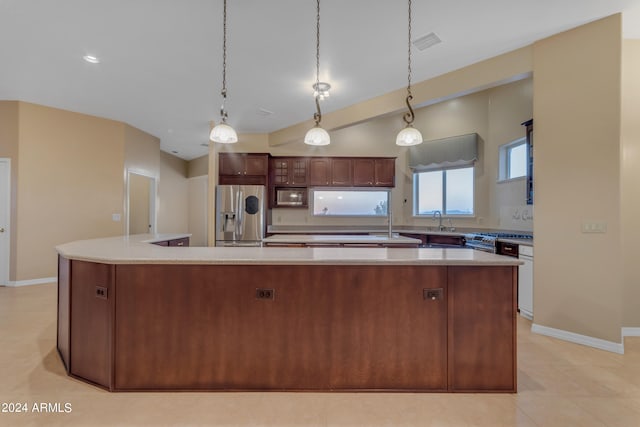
x=454 y=151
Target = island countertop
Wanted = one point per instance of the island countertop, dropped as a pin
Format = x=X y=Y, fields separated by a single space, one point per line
x=137 y=249
x=347 y=239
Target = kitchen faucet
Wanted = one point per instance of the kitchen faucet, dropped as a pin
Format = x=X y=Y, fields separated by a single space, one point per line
x=438 y=214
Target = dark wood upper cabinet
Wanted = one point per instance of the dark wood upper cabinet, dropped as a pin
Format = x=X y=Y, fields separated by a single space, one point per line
x=378 y=172
x=242 y=168
x=385 y=172
x=364 y=171
x=319 y=171
x=291 y=171
x=333 y=171
x=341 y=172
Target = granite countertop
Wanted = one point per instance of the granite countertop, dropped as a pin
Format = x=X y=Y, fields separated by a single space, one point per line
x=138 y=250
x=353 y=230
x=340 y=239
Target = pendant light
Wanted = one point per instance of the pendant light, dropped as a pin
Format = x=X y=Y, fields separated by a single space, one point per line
x=409 y=135
x=224 y=133
x=316 y=135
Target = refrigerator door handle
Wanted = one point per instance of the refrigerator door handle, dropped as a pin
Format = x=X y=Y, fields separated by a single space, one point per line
x=240 y=216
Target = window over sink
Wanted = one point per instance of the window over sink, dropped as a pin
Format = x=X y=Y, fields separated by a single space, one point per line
x=450 y=191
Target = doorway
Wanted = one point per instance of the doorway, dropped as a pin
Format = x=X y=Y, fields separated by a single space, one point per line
x=5 y=219
x=141 y=203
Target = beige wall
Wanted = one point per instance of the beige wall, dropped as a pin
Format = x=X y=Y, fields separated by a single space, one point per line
x=173 y=195
x=631 y=180
x=576 y=108
x=198 y=167
x=68 y=178
x=198 y=213
x=70 y=182
x=9 y=149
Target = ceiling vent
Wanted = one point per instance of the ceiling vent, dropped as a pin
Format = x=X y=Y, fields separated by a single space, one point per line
x=264 y=112
x=425 y=42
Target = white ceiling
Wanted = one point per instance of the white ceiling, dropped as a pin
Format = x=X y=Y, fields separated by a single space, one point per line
x=162 y=59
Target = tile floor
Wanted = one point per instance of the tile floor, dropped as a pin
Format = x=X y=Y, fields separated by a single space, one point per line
x=560 y=384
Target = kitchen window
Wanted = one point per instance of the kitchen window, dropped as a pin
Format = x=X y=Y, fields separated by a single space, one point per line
x=513 y=160
x=450 y=191
x=350 y=203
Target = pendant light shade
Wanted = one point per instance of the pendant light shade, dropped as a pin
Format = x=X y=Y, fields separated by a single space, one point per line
x=316 y=135
x=409 y=135
x=223 y=133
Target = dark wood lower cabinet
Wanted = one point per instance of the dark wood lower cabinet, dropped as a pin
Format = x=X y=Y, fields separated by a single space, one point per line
x=482 y=328
x=295 y=327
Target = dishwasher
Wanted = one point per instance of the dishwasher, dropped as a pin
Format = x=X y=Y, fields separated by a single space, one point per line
x=525 y=282
x=525 y=274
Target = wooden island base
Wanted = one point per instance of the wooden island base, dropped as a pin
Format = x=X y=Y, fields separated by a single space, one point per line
x=148 y=327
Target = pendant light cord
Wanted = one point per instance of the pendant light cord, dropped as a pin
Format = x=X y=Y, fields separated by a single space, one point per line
x=318 y=115
x=409 y=54
x=223 y=111
x=409 y=117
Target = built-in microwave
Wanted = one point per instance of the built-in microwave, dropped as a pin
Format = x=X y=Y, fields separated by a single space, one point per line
x=291 y=197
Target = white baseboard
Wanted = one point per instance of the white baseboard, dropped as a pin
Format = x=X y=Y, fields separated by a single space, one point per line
x=42 y=281
x=613 y=347
x=630 y=332
x=526 y=314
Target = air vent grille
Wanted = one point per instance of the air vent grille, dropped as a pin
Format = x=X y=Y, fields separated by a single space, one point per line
x=425 y=42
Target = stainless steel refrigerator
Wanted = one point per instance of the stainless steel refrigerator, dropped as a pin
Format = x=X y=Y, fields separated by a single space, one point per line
x=240 y=211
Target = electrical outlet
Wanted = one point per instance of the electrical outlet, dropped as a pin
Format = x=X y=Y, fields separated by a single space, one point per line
x=434 y=294
x=594 y=227
x=101 y=292
x=263 y=293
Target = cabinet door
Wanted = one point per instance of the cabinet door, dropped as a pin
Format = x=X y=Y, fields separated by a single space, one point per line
x=384 y=333
x=298 y=171
x=385 y=172
x=231 y=164
x=482 y=328
x=179 y=242
x=341 y=172
x=256 y=164
x=364 y=172
x=319 y=171
x=280 y=169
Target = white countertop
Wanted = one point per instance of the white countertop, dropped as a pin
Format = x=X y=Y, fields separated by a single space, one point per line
x=138 y=250
x=341 y=239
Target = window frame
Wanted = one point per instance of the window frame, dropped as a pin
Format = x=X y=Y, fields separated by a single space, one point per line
x=504 y=161
x=416 y=191
x=312 y=200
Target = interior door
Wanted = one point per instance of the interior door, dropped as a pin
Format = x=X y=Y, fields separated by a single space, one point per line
x=5 y=210
x=141 y=203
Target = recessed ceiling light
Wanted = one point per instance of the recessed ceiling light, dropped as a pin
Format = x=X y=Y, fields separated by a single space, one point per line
x=91 y=59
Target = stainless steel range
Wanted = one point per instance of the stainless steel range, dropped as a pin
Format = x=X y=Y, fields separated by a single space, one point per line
x=487 y=241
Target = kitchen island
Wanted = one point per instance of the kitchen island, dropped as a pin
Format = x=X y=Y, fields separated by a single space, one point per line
x=346 y=240
x=133 y=316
